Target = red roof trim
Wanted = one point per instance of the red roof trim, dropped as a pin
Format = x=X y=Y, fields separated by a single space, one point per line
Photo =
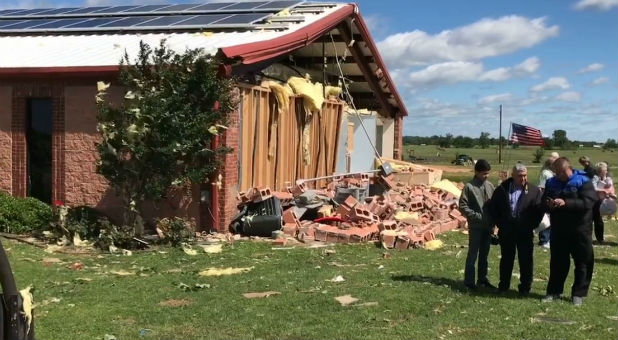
x=262 y=50
x=364 y=31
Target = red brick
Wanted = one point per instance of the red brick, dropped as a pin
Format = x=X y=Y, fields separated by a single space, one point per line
x=387 y=225
x=281 y=242
x=289 y=216
x=290 y=229
x=428 y=235
x=402 y=242
x=387 y=237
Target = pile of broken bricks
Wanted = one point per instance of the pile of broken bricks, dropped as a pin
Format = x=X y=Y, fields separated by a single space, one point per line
x=404 y=216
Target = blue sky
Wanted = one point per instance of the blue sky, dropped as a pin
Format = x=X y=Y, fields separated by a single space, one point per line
x=552 y=64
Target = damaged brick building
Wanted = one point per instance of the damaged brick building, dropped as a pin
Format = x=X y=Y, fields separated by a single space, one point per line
x=56 y=56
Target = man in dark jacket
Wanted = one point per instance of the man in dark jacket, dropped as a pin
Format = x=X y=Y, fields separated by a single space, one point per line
x=569 y=197
x=515 y=208
x=589 y=170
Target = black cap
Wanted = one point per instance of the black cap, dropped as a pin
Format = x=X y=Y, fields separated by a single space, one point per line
x=482 y=165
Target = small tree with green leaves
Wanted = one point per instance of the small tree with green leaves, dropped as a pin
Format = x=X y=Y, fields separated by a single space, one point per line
x=610 y=144
x=174 y=105
x=538 y=154
x=484 y=140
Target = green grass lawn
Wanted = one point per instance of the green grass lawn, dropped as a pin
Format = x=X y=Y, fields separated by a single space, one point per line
x=419 y=295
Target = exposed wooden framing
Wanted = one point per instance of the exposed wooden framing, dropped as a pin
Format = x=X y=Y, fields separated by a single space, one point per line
x=318 y=60
x=338 y=38
x=367 y=72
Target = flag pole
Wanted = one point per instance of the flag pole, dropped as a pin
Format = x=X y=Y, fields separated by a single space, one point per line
x=500 y=139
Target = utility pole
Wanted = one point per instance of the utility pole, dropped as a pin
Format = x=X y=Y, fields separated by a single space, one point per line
x=500 y=139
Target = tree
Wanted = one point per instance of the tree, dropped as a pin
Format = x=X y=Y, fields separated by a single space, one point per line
x=484 y=140
x=538 y=154
x=174 y=106
x=610 y=144
x=446 y=141
x=560 y=138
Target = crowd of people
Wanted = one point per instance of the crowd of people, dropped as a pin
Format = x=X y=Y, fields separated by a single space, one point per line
x=564 y=208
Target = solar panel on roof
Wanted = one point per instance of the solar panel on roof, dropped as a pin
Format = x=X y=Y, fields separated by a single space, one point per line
x=94 y=22
x=145 y=9
x=243 y=18
x=115 y=9
x=4 y=23
x=58 y=23
x=166 y=20
x=33 y=11
x=278 y=5
x=87 y=10
x=129 y=21
x=7 y=11
x=55 y=11
x=177 y=8
x=28 y=23
x=202 y=20
x=212 y=6
x=246 y=5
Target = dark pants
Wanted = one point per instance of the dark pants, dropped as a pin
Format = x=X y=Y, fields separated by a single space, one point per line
x=598 y=221
x=544 y=236
x=478 y=246
x=567 y=243
x=522 y=242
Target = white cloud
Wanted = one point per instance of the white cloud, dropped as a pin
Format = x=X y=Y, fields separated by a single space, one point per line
x=602 y=5
x=591 y=68
x=461 y=71
x=552 y=84
x=484 y=38
x=496 y=98
x=569 y=96
x=529 y=65
x=599 y=81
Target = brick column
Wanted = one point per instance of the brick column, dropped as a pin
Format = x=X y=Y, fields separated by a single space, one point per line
x=21 y=93
x=229 y=172
x=398 y=143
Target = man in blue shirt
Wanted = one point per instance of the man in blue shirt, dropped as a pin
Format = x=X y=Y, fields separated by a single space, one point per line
x=515 y=208
x=569 y=197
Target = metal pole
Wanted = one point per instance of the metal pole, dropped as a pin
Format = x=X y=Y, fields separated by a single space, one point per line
x=500 y=139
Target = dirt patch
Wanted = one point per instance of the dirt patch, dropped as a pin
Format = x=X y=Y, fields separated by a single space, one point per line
x=175 y=303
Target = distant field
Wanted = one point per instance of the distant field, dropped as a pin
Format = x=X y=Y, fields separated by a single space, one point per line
x=432 y=155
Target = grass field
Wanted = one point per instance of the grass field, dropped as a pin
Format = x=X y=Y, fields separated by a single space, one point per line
x=433 y=155
x=413 y=294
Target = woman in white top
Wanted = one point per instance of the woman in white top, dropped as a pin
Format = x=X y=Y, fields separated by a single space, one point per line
x=605 y=188
x=546 y=174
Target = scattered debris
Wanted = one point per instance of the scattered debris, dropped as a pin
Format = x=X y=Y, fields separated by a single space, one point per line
x=109 y=337
x=188 y=249
x=346 y=300
x=260 y=294
x=548 y=319
x=212 y=248
x=337 y=279
x=76 y=266
x=224 y=271
x=175 y=303
x=192 y=288
x=27 y=306
x=121 y=272
x=433 y=244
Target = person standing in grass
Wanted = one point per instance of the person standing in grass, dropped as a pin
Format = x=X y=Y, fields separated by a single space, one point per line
x=546 y=173
x=515 y=207
x=471 y=202
x=604 y=186
x=569 y=197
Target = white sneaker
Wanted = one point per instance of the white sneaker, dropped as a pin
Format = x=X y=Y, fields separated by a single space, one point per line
x=546 y=245
x=550 y=298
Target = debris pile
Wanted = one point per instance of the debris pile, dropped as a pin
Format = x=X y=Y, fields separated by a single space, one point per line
x=353 y=209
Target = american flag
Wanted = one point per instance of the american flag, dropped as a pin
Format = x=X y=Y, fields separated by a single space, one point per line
x=525 y=135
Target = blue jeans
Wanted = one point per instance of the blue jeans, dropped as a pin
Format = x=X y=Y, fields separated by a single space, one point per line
x=544 y=236
x=478 y=246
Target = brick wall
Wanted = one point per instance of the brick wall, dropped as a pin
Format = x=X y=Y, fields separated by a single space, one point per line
x=6 y=178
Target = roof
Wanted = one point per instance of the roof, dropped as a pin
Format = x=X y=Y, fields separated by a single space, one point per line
x=276 y=34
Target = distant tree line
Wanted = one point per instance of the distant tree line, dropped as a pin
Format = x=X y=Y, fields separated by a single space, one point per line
x=558 y=141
